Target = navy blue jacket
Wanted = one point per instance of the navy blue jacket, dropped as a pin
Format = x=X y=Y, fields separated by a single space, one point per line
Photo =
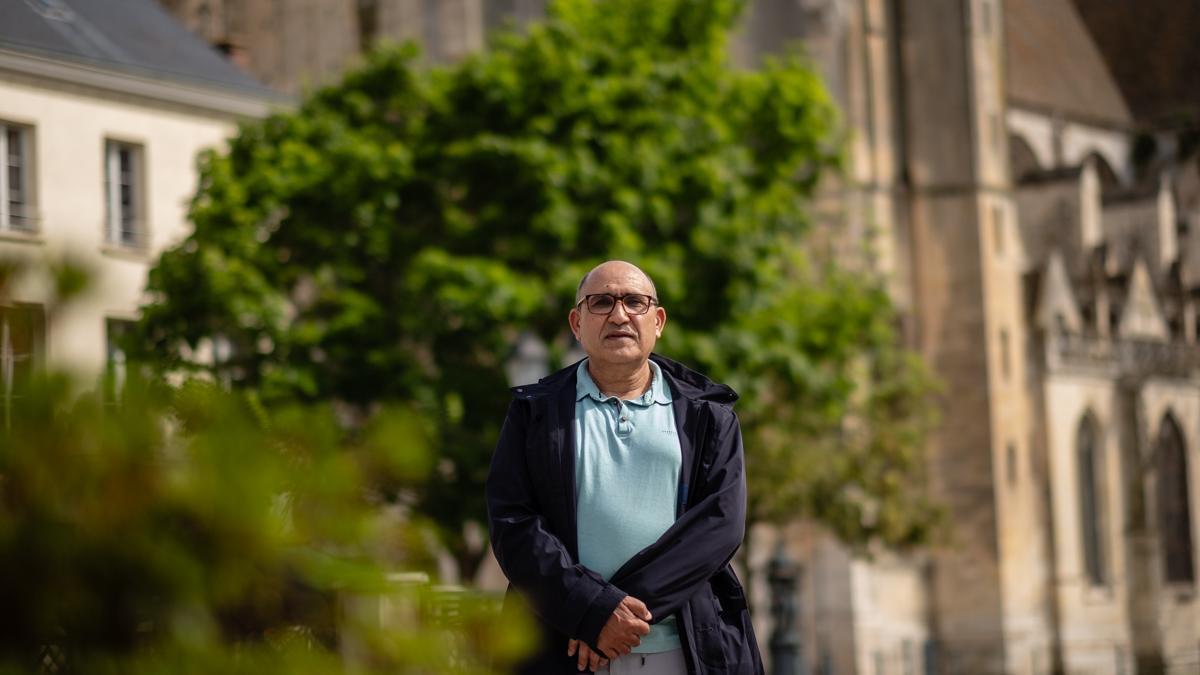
x=531 y=514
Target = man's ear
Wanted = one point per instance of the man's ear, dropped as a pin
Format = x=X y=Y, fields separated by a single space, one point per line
x=660 y=320
x=573 y=321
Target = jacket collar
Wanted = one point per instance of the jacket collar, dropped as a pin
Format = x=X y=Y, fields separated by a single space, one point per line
x=684 y=382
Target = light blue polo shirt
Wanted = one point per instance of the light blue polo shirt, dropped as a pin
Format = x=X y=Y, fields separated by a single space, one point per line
x=627 y=461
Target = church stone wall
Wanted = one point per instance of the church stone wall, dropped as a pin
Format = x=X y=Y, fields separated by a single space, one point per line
x=1080 y=141
x=891 y=612
x=1133 y=225
x=1037 y=130
x=1048 y=216
x=1092 y=617
x=1178 y=612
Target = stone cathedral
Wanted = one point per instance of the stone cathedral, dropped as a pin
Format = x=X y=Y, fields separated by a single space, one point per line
x=1027 y=173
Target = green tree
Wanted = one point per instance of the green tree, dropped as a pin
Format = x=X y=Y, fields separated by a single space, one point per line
x=392 y=238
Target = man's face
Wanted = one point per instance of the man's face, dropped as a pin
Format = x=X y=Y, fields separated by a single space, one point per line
x=617 y=337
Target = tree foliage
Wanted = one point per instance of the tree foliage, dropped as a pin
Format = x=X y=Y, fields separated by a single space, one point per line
x=392 y=238
x=191 y=530
x=148 y=528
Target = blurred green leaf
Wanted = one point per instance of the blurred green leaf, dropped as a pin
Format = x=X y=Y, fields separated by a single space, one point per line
x=179 y=529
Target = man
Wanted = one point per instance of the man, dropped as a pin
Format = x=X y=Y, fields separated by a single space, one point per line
x=616 y=499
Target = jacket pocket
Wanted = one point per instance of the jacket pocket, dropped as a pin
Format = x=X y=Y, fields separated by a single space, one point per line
x=724 y=636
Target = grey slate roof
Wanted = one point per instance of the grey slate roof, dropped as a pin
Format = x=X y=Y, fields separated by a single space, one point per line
x=1052 y=62
x=137 y=37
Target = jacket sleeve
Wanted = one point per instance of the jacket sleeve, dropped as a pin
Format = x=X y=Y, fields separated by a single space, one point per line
x=667 y=573
x=571 y=598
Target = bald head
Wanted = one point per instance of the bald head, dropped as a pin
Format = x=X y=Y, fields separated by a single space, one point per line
x=614 y=268
x=617 y=338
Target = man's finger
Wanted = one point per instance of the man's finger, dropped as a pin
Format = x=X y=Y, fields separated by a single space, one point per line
x=583 y=657
x=639 y=608
x=572 y=645
x=593 y=661
x=641 y=628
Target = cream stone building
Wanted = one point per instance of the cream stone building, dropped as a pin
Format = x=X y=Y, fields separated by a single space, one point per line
x=1037 y=217
x=104 y=106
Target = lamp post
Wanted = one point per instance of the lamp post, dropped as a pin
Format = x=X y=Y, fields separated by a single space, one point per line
x=783 y=576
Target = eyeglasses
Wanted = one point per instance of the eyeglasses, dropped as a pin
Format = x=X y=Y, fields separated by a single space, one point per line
x=603 y=303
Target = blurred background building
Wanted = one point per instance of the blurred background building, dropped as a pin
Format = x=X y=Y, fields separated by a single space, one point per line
x=1024 y=172
x=103 y=109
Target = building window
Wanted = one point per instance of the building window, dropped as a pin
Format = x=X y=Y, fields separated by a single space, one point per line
x=1005 y=359
x=1174 y=504
x=1091 y=503
x=123 y=180
x=1010 y=453
x=115 y=331
x=16 y=184
x=22 y=340
x=998 y=226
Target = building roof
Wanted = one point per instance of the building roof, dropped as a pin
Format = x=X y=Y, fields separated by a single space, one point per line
x=1054 y=64
x=134 y=37
x=1151 y=48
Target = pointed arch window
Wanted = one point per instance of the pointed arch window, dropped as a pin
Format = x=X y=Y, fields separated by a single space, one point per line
x=1174 y=504
x=1093 y=524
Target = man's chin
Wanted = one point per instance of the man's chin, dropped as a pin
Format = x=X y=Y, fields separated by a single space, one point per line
x=620 y=353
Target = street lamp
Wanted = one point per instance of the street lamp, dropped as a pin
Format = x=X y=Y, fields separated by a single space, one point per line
x=787 y=657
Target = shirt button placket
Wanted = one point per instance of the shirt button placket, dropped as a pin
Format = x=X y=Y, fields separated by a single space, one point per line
x=623 y=425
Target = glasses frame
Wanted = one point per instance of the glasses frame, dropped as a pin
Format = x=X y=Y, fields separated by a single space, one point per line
x=618 y=299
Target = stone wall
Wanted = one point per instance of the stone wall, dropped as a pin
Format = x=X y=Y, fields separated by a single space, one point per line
x=1093 y=626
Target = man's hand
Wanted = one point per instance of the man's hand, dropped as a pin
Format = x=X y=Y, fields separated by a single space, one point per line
x=587 y=658
x=625 y=628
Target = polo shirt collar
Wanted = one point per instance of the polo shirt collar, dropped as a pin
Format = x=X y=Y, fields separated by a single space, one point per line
x=658 y=392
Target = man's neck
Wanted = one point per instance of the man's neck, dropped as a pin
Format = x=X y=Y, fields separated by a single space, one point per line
x=624 y=382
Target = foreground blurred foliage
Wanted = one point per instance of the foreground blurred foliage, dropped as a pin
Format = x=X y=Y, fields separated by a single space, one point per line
x=392 y=238
x=190 y=530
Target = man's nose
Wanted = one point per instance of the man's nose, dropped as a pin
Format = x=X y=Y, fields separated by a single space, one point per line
x=618 y=315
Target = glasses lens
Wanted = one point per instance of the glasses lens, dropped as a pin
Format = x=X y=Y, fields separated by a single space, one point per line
x=636 y=304
x=600 y=304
